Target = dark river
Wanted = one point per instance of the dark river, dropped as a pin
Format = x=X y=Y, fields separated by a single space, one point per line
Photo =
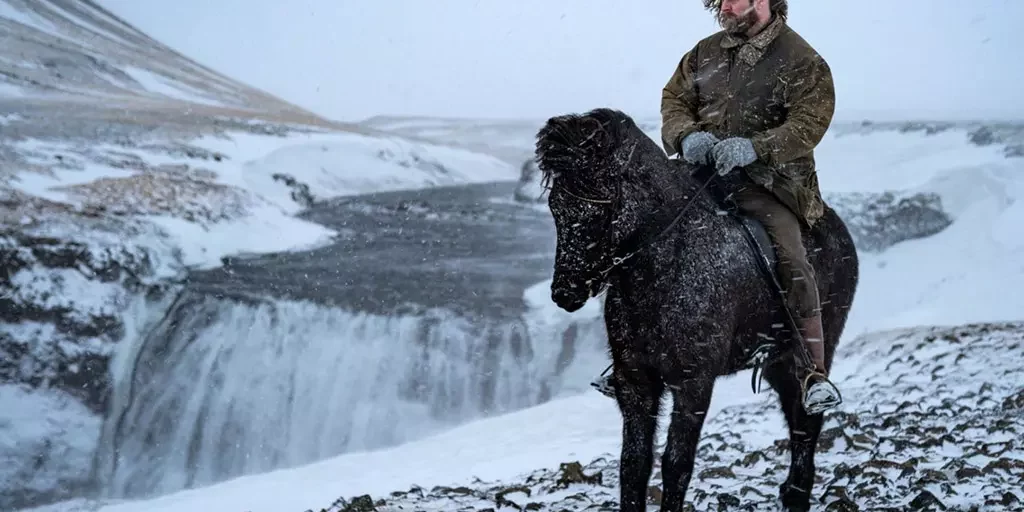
x=467 y=248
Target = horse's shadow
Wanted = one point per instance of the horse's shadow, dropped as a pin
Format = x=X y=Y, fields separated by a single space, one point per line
x=686 y=299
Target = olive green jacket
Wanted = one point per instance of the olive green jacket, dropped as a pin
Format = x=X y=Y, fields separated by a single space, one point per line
x=774 y=89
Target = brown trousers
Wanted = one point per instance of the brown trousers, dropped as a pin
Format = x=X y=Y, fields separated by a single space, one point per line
x=796 y=275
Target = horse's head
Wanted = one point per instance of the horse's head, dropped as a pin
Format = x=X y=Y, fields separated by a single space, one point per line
x=584 y=160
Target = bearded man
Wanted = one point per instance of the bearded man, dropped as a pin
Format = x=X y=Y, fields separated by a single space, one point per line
x=756 y=97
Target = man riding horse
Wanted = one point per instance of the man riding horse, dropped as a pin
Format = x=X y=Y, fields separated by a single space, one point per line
x=756 y=96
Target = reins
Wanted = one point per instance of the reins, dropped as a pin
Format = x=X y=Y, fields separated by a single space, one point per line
x=587 y=199
x=640 y=246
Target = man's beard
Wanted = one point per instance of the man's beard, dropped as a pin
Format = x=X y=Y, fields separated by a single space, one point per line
x=740 y=23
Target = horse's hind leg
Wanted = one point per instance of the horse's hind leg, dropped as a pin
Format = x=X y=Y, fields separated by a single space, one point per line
x=804 y=430
x=690 y=401
x=639 y=398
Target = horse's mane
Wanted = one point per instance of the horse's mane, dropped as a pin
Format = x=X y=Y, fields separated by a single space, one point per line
x=571 y=146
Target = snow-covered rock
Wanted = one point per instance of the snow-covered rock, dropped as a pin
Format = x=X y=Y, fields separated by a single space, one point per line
x=530 y=190
x=70 y=289
x=878 y=221
x=47 y=440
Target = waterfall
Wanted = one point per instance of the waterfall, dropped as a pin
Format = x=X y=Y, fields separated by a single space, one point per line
x=226 y=387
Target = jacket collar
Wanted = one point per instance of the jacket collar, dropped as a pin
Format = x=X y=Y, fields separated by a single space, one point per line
x=752 y=49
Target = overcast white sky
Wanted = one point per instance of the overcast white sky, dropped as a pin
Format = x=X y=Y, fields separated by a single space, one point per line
x=351 y=59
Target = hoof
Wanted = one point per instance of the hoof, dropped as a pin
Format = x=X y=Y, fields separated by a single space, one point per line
x=794 y=499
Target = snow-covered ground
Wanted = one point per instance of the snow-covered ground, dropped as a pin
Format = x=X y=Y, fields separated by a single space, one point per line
x=241 y=200
x=970 y=272
x=914 y=424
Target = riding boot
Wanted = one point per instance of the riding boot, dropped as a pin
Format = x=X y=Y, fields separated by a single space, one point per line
x=604 y=385
x=819 y=394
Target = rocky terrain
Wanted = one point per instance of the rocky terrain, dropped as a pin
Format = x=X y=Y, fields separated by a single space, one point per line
x=933 y=420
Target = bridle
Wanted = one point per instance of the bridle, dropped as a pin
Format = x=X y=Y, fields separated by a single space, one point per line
x=587 y=199
x=638 y=246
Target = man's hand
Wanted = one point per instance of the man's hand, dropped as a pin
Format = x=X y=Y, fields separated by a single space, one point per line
x=697 y=146
x=733 y=152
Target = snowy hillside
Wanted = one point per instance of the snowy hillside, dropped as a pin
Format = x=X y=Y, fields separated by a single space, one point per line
x=80 y=52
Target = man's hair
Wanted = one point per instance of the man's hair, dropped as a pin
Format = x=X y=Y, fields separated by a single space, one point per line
x=778 y=8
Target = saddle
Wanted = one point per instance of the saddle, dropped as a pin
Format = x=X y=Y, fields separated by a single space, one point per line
x=755 y=232
x=767 y=348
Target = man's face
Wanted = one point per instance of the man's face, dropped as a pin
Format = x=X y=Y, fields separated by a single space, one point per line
x=737 y=16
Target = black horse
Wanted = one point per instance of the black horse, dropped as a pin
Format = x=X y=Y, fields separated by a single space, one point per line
x=686 y=300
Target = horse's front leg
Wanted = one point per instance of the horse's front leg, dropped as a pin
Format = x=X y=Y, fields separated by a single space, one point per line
x=639 y=398
x=804 y=430
x=690 y=400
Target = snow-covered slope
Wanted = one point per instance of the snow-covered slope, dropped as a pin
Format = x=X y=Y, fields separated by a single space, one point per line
x=78 y=51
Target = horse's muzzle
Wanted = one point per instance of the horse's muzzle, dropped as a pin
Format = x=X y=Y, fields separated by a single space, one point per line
x=570 y=299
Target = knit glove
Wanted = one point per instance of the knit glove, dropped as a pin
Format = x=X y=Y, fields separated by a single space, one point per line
x=733 y=152
x=696 y=147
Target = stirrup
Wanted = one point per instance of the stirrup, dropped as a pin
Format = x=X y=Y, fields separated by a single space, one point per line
x=830 y=395
x=603 y=385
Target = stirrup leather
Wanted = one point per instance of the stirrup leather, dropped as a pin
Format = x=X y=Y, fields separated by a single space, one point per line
x=833 y=398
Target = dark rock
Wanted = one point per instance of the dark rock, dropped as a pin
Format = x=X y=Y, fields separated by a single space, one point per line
x=572 y=473
x=929 y=128
x=982 y=136
x=717 y=472
x=529 y=190
x=879 y=221
x=452 y=490
x=362 y=503
x=926 y=500
x=654 y=494
x=502 y=501
x=300 y=191
x=1014 y=402
x=1009 y=498
x=726 y=501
